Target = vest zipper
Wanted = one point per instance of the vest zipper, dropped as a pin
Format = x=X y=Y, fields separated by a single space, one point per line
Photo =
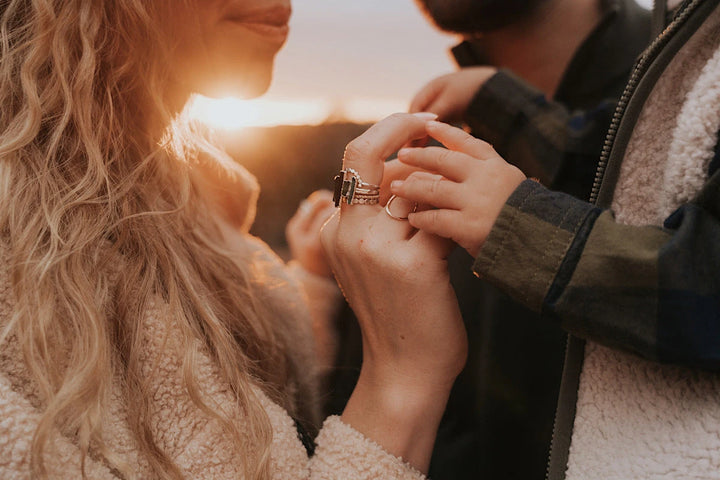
x=639 y=70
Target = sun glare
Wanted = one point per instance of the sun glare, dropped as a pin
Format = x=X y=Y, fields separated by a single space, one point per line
x=234 y=114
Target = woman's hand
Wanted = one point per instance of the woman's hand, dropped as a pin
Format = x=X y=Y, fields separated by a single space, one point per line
x=396 y=280
x=449 y=96
x=303 y=232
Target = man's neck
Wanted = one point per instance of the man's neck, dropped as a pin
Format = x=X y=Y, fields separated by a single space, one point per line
x=540 y=48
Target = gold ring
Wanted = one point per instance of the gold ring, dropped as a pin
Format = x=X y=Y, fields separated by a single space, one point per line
x=391 y=215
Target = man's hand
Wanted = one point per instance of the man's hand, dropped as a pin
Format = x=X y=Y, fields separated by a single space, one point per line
x=449 y=96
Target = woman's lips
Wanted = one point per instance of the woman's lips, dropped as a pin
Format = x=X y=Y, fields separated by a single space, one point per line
x=267 y=29
x=268 y=22
x=277 y=15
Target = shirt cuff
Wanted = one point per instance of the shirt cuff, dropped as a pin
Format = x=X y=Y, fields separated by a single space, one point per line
x=344 y=453
x=530 y=240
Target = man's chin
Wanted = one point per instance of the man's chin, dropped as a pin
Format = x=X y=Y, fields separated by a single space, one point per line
x=473 y=17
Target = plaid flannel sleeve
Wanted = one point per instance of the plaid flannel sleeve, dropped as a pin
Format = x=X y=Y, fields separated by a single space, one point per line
x=654 y=291
x=539 y=136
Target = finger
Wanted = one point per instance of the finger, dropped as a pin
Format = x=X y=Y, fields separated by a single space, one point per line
x=328 y=238
x=430 y=189
x=420 y=142
x=445 y=223
x=295 y=221
x=321 y=195
x=425 y=97
x=321 y=217
x=441 y=108
x=367 y=153
x=320 y=201
x=394 y=170
x=450 y=164
x=308 y=211
x=460 y=141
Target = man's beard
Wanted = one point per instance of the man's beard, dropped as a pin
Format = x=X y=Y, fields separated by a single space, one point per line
x=477 y=16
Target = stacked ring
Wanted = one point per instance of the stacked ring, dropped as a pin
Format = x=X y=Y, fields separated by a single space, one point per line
x=350 y=188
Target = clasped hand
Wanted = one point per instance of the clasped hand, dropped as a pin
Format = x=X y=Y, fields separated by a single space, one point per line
x=395 y=277
x=396 y=280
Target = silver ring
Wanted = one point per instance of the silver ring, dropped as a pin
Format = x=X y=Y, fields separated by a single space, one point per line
x=391 y=215
x=360 y=183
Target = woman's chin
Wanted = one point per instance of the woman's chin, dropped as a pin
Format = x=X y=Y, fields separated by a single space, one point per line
x=245 y=88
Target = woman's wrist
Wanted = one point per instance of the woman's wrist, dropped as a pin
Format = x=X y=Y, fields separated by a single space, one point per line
x=399 y=412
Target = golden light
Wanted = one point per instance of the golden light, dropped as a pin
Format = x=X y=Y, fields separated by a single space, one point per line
x=233 y=113
x=370 y=110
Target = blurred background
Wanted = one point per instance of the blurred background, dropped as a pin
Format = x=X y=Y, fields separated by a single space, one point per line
x=346 y=65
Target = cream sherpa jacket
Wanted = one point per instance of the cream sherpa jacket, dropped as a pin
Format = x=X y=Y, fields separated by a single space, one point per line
x=636 y=418
x=194 y=441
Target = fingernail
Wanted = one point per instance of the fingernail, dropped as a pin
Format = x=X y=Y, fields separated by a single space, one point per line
x=426 y=115
x=396 y=184
x=403 y=152
x=433 y=123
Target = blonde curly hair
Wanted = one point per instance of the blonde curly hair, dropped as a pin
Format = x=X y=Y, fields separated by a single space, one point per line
x=86 y=179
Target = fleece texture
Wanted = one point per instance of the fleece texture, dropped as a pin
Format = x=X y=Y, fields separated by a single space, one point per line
x=196 y=442
x=638 y=419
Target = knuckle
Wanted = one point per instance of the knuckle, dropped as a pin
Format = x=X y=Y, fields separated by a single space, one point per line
x=443 y=158
x=414 y=183
x=469 y=141
x=319 y=196
x=358 y=149
x=369 y=250
x=414 y=178
x=434 y=218
x=489 y=150
x=435 y=186
x=397 y=117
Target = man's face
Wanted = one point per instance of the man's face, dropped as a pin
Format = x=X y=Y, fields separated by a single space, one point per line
x=477 y=16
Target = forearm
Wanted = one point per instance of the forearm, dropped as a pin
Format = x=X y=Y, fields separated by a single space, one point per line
x=648 y=290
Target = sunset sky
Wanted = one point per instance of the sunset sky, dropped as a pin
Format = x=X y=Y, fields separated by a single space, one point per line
x=359 y=59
